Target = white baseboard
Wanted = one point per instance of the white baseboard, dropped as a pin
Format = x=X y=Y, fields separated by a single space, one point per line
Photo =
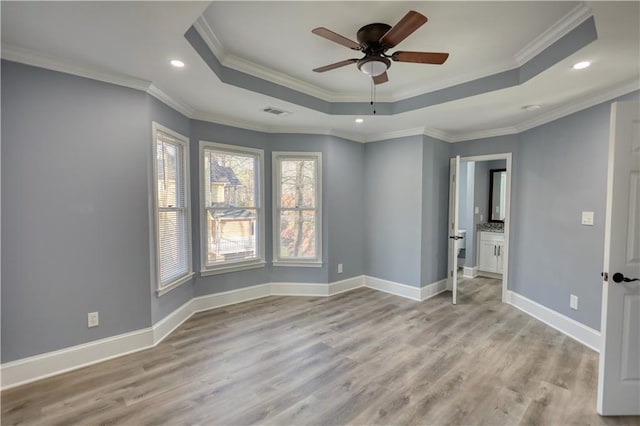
x=392 y=287
x=31 y=369
x=218 y=300
x=26 y=370
x=572 y=328
x=346 y=285
x=433 y=289
x=299 y=289
x=470 y=272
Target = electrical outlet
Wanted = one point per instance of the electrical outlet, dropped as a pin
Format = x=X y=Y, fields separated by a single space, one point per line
x=93 y=320
x=339 y=268
x=573 y=302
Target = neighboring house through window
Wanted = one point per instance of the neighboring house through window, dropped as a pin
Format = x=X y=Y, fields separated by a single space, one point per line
x=297 y=221
x=172 y=215
x=232 y=214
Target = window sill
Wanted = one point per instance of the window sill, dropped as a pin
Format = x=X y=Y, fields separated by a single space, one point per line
x=232 y=268
x=177 y=283
x=299 y=264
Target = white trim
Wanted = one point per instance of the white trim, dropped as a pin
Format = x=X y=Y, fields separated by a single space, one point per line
x=298 y=264
x=391 y=287
x=572 y=328
x=175 y=284
x=41 y=60
x=218 y=300
x=508 y=156
x=348 y=284
x=179 y=106
x=168 y=324
x=433 y=289
x=555 y=32
x=240 y=266
x=552 y=34
x=260 y=185
x=183 y=142
x=580 y=104
x=470 y=272
x=26 y=370
x=276 y=158
x=299 y=289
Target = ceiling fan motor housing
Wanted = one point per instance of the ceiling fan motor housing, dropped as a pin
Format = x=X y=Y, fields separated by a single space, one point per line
x=369 y=36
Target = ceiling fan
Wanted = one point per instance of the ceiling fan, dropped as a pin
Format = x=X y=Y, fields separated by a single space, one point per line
x=374 y=40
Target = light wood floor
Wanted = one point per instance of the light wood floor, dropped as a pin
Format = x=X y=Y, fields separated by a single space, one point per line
x=362 y=357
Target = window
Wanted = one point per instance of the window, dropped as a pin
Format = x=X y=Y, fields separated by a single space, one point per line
x=171 y=209
x=232 y=214
x=297 y=235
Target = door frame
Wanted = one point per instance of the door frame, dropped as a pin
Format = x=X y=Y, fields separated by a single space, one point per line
x=507 y=217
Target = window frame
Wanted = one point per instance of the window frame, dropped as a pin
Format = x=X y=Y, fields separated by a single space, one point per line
x=277 y=157
x=232 y=266
x=183 y=142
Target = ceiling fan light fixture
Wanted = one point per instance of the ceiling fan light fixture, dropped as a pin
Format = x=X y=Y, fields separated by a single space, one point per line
x=374 y=65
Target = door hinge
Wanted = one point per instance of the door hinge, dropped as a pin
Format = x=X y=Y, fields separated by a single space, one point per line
x=605 y=276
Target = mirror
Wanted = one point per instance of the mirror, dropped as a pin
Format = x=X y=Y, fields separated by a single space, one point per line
x=497 y=194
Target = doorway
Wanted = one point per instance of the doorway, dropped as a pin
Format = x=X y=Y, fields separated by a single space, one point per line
x=479 y=219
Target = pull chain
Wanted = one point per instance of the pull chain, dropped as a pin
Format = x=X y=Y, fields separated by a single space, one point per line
x=373 y=96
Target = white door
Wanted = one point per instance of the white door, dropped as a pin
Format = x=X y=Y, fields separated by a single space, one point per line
x=619 y=375
x=454 y=192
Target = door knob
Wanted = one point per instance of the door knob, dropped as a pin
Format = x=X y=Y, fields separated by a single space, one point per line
x=618 y=278
x=456 y=237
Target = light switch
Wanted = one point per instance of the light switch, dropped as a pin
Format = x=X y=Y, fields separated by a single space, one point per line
x=587 y=218
x=477 y=209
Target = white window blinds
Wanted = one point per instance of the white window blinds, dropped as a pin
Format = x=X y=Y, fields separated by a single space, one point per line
x=172 y=210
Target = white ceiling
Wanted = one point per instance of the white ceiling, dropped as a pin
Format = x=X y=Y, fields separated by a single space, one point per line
x=132 y=42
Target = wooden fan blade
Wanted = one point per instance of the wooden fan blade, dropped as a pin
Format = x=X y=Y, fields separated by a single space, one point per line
x=382 y=78
x=336 y=38
x=336 y=65
x=420 y=57
x=407 y=25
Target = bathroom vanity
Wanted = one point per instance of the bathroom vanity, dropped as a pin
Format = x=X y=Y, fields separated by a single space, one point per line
x=491 y=252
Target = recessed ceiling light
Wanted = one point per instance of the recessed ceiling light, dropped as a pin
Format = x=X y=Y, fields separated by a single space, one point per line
x=581 y=65
x=359 y=120
x=531 y=107
x=176 y=63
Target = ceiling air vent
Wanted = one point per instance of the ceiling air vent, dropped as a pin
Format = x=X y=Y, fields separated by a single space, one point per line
x=276 y=111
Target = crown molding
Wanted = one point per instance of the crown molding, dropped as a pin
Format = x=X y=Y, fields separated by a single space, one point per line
x=179 y=106
x=438 y=134
x=482 y=134
x=202 y=27
x=552 y=34
x=416 y=131
x=28 y=57
x=562 y=27
x=562 y=111
x=580 y=104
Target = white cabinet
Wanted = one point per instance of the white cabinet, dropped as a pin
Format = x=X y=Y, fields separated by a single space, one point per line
x=491 y=252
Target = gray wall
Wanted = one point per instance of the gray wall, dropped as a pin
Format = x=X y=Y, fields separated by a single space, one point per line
x=345 y=202
x=435 y=211
x=168 y=117
x=559 y=170
x=75 y=212
x=557 y=256
x=393 y=205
